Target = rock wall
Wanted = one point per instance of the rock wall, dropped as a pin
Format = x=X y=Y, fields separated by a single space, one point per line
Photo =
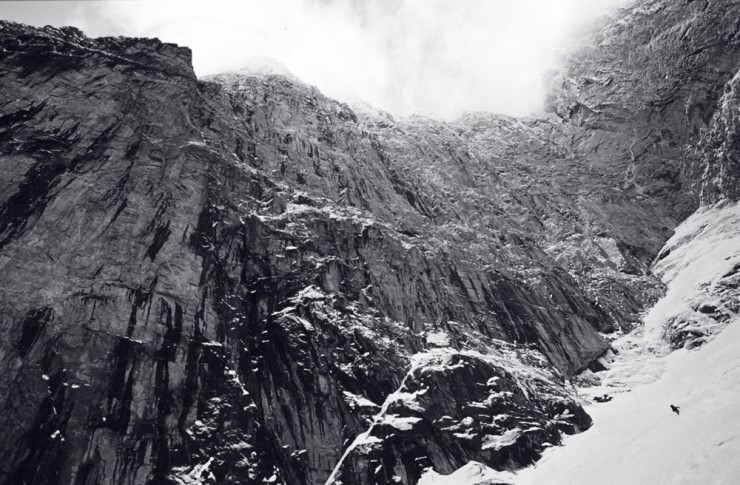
x=719 y=150
x=239 y=280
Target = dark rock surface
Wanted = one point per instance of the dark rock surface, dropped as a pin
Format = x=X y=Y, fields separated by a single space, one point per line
x=239 y=280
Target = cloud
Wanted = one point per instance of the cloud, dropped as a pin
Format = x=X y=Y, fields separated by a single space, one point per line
x=435 y=57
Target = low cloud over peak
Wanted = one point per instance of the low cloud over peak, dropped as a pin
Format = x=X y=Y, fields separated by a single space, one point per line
x=434 y=57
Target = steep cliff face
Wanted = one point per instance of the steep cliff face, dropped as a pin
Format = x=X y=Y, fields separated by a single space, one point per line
x=240 y=280
x=647 y=89
x=657 y=96
x=719 y=151
x=187 y=294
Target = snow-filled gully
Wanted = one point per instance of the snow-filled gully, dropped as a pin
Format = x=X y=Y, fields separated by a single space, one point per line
x=636 y=438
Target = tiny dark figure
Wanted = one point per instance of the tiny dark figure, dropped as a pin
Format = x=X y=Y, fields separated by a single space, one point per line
x=676 y=409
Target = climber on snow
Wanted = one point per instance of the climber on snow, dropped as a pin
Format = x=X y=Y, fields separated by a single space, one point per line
x=676 y=409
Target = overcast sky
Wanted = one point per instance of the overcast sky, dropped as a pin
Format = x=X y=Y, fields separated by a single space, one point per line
x=435 y=57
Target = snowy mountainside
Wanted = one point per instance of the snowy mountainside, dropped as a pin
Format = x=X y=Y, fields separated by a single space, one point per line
x=241 y=280
x=700 y=265
x=223 y=280
x=636 y=438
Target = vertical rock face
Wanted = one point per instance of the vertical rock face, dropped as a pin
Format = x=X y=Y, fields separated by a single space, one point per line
x=719 y=151
x=647 y=89
x=239 y=280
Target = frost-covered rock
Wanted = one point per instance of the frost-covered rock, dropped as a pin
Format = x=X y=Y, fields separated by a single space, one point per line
x=242 y=280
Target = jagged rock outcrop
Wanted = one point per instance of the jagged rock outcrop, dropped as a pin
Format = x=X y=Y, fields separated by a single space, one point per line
x=239 y=280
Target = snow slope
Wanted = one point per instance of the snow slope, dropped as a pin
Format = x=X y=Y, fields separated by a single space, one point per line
x=697 y=264
x=636 y=439
x=470 y=474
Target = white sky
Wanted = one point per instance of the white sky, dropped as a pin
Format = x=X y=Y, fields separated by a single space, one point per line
x=435 y=57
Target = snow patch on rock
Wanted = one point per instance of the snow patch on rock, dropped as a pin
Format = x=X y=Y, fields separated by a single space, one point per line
x=473 y=473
